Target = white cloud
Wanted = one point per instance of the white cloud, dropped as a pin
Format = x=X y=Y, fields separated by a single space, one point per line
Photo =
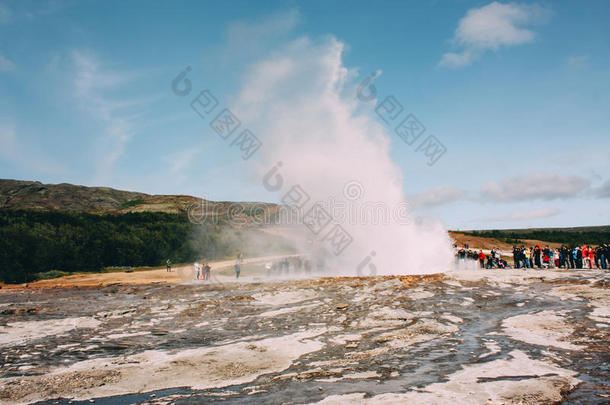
x=6 y=65
x=435 y=196
x=457 y=60
x=522 y=216
x=492 y=27
x=534 y=186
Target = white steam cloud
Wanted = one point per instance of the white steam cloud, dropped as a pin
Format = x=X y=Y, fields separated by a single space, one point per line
x=301 y=103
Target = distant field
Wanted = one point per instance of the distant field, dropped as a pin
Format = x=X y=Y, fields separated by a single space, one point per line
x=591 y=235
x=600 y=228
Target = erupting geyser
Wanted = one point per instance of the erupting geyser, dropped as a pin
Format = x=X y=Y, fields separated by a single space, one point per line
x=301 y=103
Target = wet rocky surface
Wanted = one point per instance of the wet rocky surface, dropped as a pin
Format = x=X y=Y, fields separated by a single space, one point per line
x=463 y=337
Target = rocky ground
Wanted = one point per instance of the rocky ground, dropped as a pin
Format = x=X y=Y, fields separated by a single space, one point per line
x=475 y=336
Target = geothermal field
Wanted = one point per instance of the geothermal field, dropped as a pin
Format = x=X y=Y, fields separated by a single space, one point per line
x=469 y=336
x=304 y=202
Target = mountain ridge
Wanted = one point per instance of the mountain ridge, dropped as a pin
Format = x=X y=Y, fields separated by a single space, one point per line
x=35 y=195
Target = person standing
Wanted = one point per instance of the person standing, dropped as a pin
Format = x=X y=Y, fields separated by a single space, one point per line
x=578 y=257
x=547 y=256
x=585 y=256
x=537 y=256
x=197 y=270
x=598 y=255
x=515 y=257
x=591 y=257
x=482 y=259
x=237 y=270
x=168 y=265
x=563 y=252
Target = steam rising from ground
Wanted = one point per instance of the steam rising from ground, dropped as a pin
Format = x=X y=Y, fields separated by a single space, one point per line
x=301 y=103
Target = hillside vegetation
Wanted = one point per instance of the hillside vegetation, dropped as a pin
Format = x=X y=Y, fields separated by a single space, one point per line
x=568 y=236
x=35 y=242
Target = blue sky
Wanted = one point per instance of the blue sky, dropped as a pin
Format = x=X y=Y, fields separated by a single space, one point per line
x=518 y=94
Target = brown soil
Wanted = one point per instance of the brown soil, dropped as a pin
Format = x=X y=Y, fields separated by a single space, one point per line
x=480 y=242
x=124 y=278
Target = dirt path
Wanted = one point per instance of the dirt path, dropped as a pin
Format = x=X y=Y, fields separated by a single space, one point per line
x=132 y=278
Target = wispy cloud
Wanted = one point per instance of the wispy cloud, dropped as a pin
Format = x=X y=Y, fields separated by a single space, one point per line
x=603 y=191
x=578 y=62
x=21 y=154
x=20 y=11
x=491 y=27
x=5 y=14
x=522 y=216
x=249 y=38
x=534 y=186
x=249 y=32
x=6 y=65
x=7 y=138
x=180 y=161
x=435 y=196
x=92 y=83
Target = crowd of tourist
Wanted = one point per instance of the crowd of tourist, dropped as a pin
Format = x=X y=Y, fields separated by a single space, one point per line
x=282 y=266
x=585 y=257
x=289 y=265
x=489 y=261
x=542 y=257
x=202 y=271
